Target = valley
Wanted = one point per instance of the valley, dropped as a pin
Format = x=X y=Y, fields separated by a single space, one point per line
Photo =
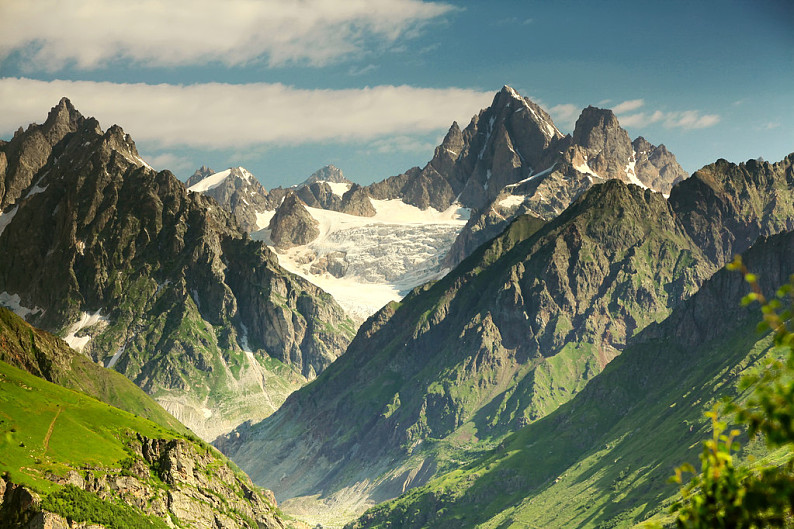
x=526 y=329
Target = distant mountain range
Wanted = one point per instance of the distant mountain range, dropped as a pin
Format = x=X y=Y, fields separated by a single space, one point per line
x=510 y=160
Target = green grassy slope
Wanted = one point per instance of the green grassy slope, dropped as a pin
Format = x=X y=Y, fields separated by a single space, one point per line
x=602 y=459
x=47 y=356
x=47 y=428
x=90 y=462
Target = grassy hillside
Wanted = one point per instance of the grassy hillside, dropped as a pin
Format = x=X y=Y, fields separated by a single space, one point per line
x=85 y=460
x=47 y=356
x=603 y=459
x=45 y=428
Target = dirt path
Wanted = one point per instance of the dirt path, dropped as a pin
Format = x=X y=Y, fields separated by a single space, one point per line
x=49 y=432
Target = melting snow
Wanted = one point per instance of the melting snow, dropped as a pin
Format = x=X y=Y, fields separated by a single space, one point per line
x=5 y=218
x=263 y=219
x=86 y=320
x=12 y=302
x=632 y=176
x=511 y=201
x=116 y=356
x=338 y=188
x=533 y=176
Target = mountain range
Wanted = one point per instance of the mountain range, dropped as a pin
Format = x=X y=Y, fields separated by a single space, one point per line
x=155 y=282
x=525 y=331
x=516 y=330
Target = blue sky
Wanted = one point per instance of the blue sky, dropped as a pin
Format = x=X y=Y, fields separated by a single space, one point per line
x=371 y=86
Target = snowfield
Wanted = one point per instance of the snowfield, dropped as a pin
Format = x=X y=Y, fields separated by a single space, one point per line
x=383 y=256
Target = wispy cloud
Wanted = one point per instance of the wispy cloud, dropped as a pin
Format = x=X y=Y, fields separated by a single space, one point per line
x=88 y=34
x=219 y=116
x=628 y=106
x=402 y=144
x=565 y=115
x=355 y=71
x=512 y=21
x=170 y=161
x=684 y=119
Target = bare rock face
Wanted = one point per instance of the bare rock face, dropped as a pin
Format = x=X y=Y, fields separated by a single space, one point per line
x=603 y=141
x=356 y=202
x=27 y=153
x=319 y=195
x=292 y=225
x=656 y=167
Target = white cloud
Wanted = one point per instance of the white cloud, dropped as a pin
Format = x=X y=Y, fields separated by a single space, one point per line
x=565 y=115
x=403 y=144
x=686 y=119
x=219 y=116
x=88 y=34
x=628 y=106
x=170 y=161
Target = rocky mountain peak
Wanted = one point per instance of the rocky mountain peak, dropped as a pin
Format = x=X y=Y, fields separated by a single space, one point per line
x=292 y=225
x=641 y=145
x=598 y=129
x=356 y=202
x=63 y=118
x=329 y=173
x=116 y=139
x=605 y=144
x=30 y=149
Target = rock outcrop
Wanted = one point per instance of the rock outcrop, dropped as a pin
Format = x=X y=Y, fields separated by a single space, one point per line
x=197 y=489
x=292 y=225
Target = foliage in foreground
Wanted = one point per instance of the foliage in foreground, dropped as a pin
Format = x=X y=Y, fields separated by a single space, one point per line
x=77 y=505
x=726 y=495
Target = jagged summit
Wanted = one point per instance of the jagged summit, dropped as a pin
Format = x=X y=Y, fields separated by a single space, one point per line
x=213 y=180
x=329 y=173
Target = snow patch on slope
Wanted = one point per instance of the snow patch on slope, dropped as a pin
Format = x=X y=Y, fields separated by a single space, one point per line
x=631 y=174
x=338 y=188
x=87 y=319
x=216 y=179
x=14 y=303
x=511 y=201
x=6 y=218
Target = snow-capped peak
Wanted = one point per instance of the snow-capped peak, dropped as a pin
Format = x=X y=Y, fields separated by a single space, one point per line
x=216 y=179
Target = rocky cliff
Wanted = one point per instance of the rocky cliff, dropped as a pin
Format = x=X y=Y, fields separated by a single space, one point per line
x=513 y=332
x=156 y=282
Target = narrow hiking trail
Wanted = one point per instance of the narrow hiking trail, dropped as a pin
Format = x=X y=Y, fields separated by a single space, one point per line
x=49 y=431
